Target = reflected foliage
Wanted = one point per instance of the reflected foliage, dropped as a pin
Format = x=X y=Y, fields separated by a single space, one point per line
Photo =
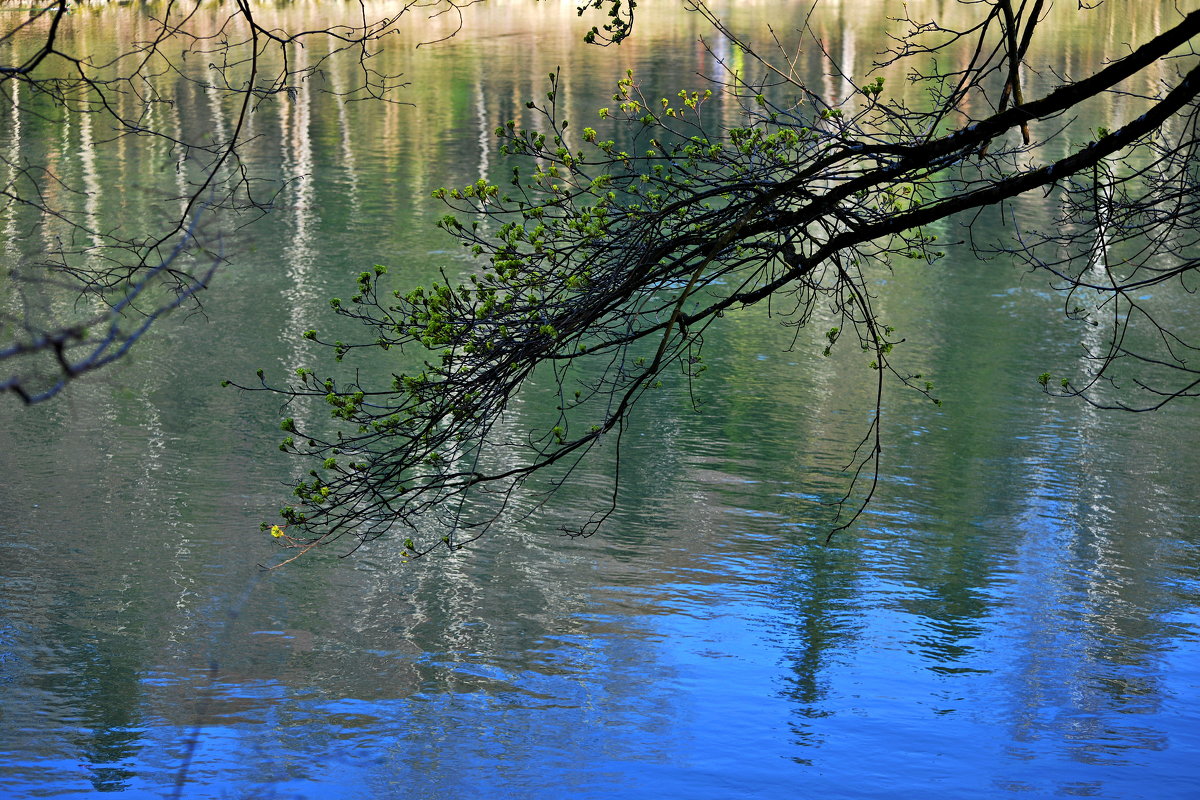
x=88 y=275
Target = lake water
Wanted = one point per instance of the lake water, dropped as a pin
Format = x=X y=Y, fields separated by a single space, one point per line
x=1015 y=613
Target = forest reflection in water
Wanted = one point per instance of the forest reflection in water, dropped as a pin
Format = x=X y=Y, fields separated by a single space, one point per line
x=1016 y=612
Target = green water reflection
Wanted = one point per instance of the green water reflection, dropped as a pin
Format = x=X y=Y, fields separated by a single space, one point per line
x=1016 y=612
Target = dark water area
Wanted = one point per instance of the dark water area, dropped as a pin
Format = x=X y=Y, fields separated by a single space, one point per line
x=1015 y=613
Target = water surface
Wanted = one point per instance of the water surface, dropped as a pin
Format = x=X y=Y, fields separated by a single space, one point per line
x=1015 y=613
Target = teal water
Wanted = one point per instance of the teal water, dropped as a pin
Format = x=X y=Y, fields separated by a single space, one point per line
x=1016 y=613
